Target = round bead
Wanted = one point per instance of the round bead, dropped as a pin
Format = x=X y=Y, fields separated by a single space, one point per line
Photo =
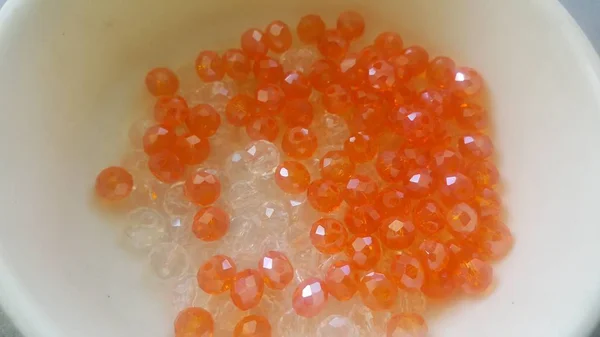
x=434 y=254
x=323 y=73
x=210 y=66
x=262 y=128
x=471 y=116
x=360 y=189
x=440 y=71
x=202 y=188
x=391 y=166
x=445 y=160
x=237 y=64
x=253 y=326
x=397 y=233
x=191 y=149
x=474 y=276
x=455 y=186
x=292 y=177
x=429 y=217
x=328 y=235
x=337 y=325
x=310 y=297
x=254 y=43
x=203 y=120
x=492 y=241
x=158 y=138
x=484 y=174
x=406 y=325
x=299 y=143
x=210 y=224
x=171 y=111
x=342 y=280
x=407 y=272
x=278 y=36
x=194 y=322
x=310 y=29
x=333 y=45
x=475 y=146
x=166 y=167
x=270 y=99
x=351 y=25
x=276 y=270
x=388 y=44
x=462 y=219
x=417 y=60
x=114 y=183
x=419 y=127
x=439 y=285
x=239 y=109
x=377 y=291
x=364 y=252
x=324 y=195
x=162 y=82
x=418 y=182
x=296 y=85
x=369 y=119
x=488 y=203
x=267 y=70
x=247 y=289
x=336 y=166
x=336 y=99
x=216 y=274
x=382 y=75
x=297 y=112
x=392 y=201
x=466 y=82
x=363 y=219
x=437 y=101
x=360 y=147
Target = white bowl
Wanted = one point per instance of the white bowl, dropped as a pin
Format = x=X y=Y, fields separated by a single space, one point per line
x=71 y=78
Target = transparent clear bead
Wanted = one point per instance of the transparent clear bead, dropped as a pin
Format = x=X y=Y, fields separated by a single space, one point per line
x=411 y=301
x=136 y=162
x=291 y=324
x=218 y=93
x=168 y=261
x=337 y=325
x=273 y=215
x=244 y=197
x=180 y=229
x=241 y=238
x=369 y=322
x=147 y=190
x=137 y=131
x=236 y=167
x=174 y=202
x=145 y=227
x=262 y=157
x=300 y=59
x=184 y=292
x=333 y=129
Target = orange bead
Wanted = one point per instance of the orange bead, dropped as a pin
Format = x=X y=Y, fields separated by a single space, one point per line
x=162 y=82
x=202 y=188
x=310 y=29
x=292 y=177
x=363 y=219
x=210 y=224
x=158 y=138
x=440 y=71
x=270 y=99
x=299 y=143
x=342 y=280
x=382 y=75
x=488 y=203
x=336 y=99
x=475 y=146
x=336 y=166
x=166 y=167
x=239 y=109
x=391 y=166
x=328 y=235
x=392 y=201
x=439 y=285
x=364 y=252
x=194 y=322
x=237 y=64
x=434 y=254
x=210 y=66
x=216 y=274
x=276 y=270
x=360 y=189
x=262 y=128
x=310 y=297
x=466 y=82
x=323 y=73
x=114 y=183
x=333 y=45
x=484 y=174
x=324 y=195
x=191 y=149
x=471 y=116
x=267 y=70
x=445 y=160
x=254 y=43
x=247 y=289
x=360 y=147
x=437 y=101
x=297 y=112
x=389 y=43
x=460 y=251
x=368 y=119
x=351 y=24
x=492 y=241
x=455 y=186
x=397 y=233
x=253 y=326
x=474 y=276
x=406 y=325
x=171 y=111
x=407 y=272
x=462 y=219
x=296 y=85
x=429 y=217
x=418 y=59
x=377 y=291
x=278 y=36
x=418 y=182
x=203 y=120
x=419 y=127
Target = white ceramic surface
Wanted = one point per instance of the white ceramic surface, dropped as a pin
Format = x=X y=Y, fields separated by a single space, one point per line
x=72 y=80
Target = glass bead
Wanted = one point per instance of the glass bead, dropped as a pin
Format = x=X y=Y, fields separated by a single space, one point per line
x=475 y=146
x=298 y=59
x=299 y=143
x=278 y=36
x=391 y=166
x=216 y=274
x=174 y=202
x=184 y=293
x=368 y=119
x=483 y=174
x=417 y=58
x=171 y=111
x=237 y=64
x=194 y=322
x=324 y=195
x=203 y=120
x=439 y=285
x=191 y=149
x=328 y=235
x=336 y=166
x=262 y=128
x=337 y=325
x=273 y=215
x=364 y=252
x=181 y=227
x=418 y=182
x=297 y=112
x=276 y=270
x=471 y=116
x=333 y=128
x=360 y=147
x=445 y=160
x=342 y=280
x=253 y=326
x=466 y=82
x=492 y=241
x=310 y=297
x=388 y=44
x=166 y=167
x=217 y=94
x=408 y=325
x=145 y=227
x=267 y=70
x=210 y=224
x=236 y=167
x=360 y=190
x=310 y=29
x=244 y=197
x=262 y=157
x=168 y=261
x=462 y=219
x=382 y=75
x=270 y=99
x=162 y=82
x=434 y=254
x=351 y=25
x=441 y=71
x=210 y=66
x=333 y=45
x=114 y=183
x=474 y=276
x=377 y=291
x=137 y=130
x=247 y=289
x=336 y=99
x=254 y=43
x=363 y=219
x=488 y=203
x=407 y=272
x=202 y=188
x=292 y=325
x=397 y=233
x=292 y=177
x=158 y=138
x=323 y=73
x=455 y=187
x=393 y=201
x=239 y=109
x=296 y=85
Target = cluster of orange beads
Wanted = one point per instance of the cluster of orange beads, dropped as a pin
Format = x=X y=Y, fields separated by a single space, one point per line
x=427 y=219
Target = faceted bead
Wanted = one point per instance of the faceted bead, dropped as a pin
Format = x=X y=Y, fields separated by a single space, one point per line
x=369 y=119
x=194 y=322
x=342 y=280
x=146 y=227
x=310 y=297
x=191 y=149
x=333 y=45
x=296 y=85
x=389 y=43
x=364 y=252
x=216 y=274
x=397 y=233
x=406 y=325
x=310 y=29
x=239 y=109
x=299 y=143
x=276 y=270
x=262 y=128
x=237 y=64
x=336 y=99
x=392 y=201
x=166 y=167
x=162 y=82
x=137 y=130
x=377 y=291
x=429 y=217
x=278 y=37
x=474 y=276
x=391 y=166
x=492 y=241
x=270 y=99
x=418 y=182
x=273 y=215
x=439 y=284
x=363 y=219
x=292 y=177
x=418 y=59
x=484 y=174
x=253 y=326
x=336 y=166
x=471 y=116
x=323 y=73
x=438 y=101
x=418 y=127
x=475 y=146
x=360 y=147
x=254 y=43
x=382 y=75
x=262 y=157
x=455 y=186
x=351 y=25
x=324 y=195
x=440 y=71
x=203 y=120
x=202 y=188
x=434 y=254
x=460 y=251
x=297 y=112
x=407 y=272
x=337 y=325
x=488 y=203
x=267 y=70
x=328 y=235
x=360 y=189
x=158 y=138
x=210 y=66
x=171 y=111
x=462 y=219
x=114 y=183
x=298 y=59
x=445 y=160
x=210 y=224
x=247 y=289
x=466 y=82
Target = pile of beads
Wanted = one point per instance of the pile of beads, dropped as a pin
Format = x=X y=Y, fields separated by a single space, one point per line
x=386 y=188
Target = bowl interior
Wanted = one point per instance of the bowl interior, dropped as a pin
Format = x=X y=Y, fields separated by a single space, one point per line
x=72 y=83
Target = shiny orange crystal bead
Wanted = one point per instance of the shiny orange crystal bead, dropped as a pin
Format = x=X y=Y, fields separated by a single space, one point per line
x=166 y=167
x=406 y=325
x=210 y=66
x=363 y=220
x=297 y=112
x=158 y=138
x=278 y=36
x=336 y=99
x=342 y=280
x=407 y=272
x=247 y=289
x=336 y=166
x=324 y=195
x=171 y=111
x=360 y=147
x=328 y=236
x=194 y=322
x=270 y=99
x=191 y=149
x=210 y=224
x=360 y=189
x=267 y=70
x=392 y=201
x=310 y=29
x=254 y=43
x=299 y=143
x=389 y=43
x=237 y=64
x=310 y=297
x=253 y=326
x=397 y=233
x=296 y=85
x=216 y=274
x=292 y=177
x=114 y=183
x=351 y=25
x=202 y=188
x=162 y=82
x=377 y=291
x=333 y=45
x=262 y=128
x=276 y=270
x=364 y=252
x=239 y=109
x=441 y=71
x=434 y=254
x=474 y=276
x=203 y=120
